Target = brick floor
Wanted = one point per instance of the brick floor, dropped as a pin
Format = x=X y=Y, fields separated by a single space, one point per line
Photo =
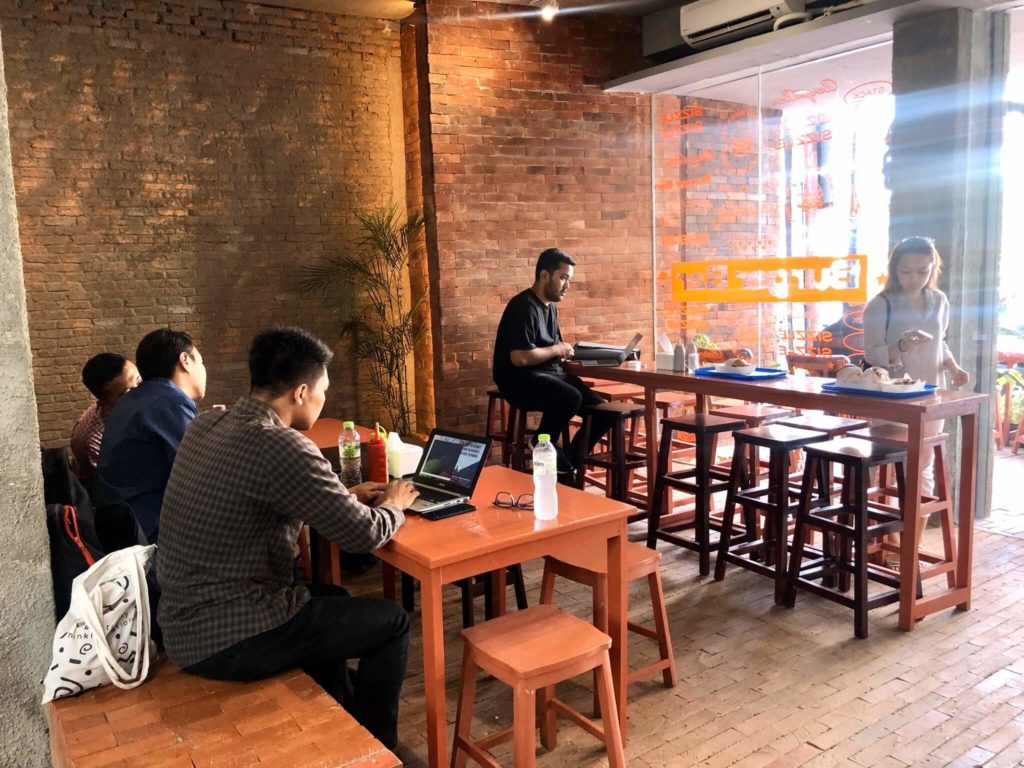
x=765 y=686
x=1007 y=513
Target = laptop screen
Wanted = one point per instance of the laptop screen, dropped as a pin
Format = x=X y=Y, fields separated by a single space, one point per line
x=452 y=461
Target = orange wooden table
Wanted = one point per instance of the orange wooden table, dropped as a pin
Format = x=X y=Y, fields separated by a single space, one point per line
x=441 y=552
x=805 y=392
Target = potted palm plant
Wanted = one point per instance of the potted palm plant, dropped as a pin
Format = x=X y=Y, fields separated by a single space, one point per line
x=367 y=289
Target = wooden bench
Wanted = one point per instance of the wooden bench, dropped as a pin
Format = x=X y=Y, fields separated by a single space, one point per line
x=176 y=719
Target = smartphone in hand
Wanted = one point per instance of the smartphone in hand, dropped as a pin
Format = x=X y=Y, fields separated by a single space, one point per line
x=919 y=335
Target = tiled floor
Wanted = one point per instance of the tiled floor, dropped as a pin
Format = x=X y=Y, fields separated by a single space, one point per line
x=765 y=686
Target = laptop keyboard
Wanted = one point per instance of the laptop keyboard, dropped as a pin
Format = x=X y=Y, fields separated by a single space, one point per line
x=429 y=494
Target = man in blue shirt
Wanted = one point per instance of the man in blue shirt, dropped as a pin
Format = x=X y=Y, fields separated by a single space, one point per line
x=146 y=426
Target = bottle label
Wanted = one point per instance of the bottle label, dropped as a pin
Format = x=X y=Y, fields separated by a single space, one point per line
x=350 y=452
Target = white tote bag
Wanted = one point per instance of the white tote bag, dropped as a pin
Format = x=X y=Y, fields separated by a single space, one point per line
x=104 y=637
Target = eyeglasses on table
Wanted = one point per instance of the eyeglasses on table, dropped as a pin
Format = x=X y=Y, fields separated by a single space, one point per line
x=506 y=500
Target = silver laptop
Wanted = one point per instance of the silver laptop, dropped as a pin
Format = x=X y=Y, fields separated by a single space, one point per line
x=449 y=470
x=589 y=354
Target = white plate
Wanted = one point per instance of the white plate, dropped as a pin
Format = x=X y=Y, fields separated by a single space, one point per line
x=746 y=369
x=917 y=386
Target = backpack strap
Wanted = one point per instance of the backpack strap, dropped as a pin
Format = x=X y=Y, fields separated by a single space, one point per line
x=71 y=529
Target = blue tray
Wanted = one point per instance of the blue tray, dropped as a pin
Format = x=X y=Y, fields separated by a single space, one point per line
x=928 y=389
x=759 y=374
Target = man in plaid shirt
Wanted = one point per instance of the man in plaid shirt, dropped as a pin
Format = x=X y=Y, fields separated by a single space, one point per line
x=243 y=483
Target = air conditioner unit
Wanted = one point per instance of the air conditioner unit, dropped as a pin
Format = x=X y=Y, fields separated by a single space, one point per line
x=711 y=22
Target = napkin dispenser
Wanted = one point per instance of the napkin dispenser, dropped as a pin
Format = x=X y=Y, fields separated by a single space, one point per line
x=664 y=361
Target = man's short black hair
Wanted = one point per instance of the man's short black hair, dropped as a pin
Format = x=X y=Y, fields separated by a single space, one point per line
x=99 y=370
x=550 y=260
x=158 y=353
x=282 y=358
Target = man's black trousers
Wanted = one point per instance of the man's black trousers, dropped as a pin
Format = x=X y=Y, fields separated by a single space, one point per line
x=558 y=396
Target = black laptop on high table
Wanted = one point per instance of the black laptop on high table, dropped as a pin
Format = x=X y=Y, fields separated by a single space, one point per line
x=448 y=470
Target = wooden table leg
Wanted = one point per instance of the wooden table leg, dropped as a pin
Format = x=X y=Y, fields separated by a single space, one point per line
x=433 y=671
x=911 y=522
x=498 y=587
x=618 y=608
x=651 y=428
x=968 y=478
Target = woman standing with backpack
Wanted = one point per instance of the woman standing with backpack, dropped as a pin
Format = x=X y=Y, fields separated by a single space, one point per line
x=905 y=326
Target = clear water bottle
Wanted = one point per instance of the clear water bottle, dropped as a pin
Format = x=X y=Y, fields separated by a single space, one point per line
x=692 y=356
x=545 y=478
x=348 y=450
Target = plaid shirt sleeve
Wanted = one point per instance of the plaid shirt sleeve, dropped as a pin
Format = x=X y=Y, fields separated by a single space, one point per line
x=303 y=486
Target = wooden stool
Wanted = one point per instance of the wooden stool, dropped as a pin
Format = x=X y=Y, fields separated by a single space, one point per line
x=498 y=432
x=854 y=520
x=895 y=435
x=531 y=651
x=753 y=415
x=517 y=435
x=664 y=404
x=832 y=426
x=768 y=550
x=617 y=460
x=615 y=392
x=590 y=567
x=702 y=481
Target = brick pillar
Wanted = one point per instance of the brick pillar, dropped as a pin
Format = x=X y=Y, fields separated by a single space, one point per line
x=948 y=71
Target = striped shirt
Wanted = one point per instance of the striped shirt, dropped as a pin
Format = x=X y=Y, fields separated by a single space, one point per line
x=86 y=436
x=242 y=485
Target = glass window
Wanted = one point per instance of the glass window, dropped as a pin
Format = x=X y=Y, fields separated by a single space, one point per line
x=771 y=206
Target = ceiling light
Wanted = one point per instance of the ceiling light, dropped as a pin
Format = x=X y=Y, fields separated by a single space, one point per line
x=549 y=9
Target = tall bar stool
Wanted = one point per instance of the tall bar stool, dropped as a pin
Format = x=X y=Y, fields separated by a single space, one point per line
x=702 y=481
x=854 y=521
x=590 y=567
x=517 y=438
x=896 y=436
x=531 y=651
x=753 y=415
x=617 y=460
x=763 y=553
x=498 y=432
x=831 y=426
x=664 y=403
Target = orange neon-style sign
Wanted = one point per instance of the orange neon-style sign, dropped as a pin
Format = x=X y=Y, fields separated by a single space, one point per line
x=755 y=281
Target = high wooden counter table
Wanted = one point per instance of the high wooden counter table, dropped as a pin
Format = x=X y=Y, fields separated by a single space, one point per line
x=805 y=392
x=490 y=539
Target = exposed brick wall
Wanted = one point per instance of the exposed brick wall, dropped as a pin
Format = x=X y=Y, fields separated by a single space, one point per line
x=529 y=153
x=175 y=162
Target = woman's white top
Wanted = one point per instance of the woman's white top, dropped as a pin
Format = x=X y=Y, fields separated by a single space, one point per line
x=924 y=361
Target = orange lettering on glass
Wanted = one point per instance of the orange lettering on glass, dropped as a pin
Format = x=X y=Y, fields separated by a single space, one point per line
x=798 y=279
x=683 y=183
x=693 y=238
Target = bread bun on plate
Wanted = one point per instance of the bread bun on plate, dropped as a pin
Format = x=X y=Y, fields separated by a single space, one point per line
x=849 y=376
x=736 y=365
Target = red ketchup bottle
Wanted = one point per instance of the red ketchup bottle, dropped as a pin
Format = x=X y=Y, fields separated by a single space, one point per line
x=378 y=456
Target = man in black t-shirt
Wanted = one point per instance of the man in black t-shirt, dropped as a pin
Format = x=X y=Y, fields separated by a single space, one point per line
x=528 y=352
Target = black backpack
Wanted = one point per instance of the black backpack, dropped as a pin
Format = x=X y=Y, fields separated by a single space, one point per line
x=80 y=534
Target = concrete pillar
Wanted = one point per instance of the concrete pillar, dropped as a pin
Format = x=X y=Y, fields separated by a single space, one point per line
x=26 y=599
x=948 y=72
